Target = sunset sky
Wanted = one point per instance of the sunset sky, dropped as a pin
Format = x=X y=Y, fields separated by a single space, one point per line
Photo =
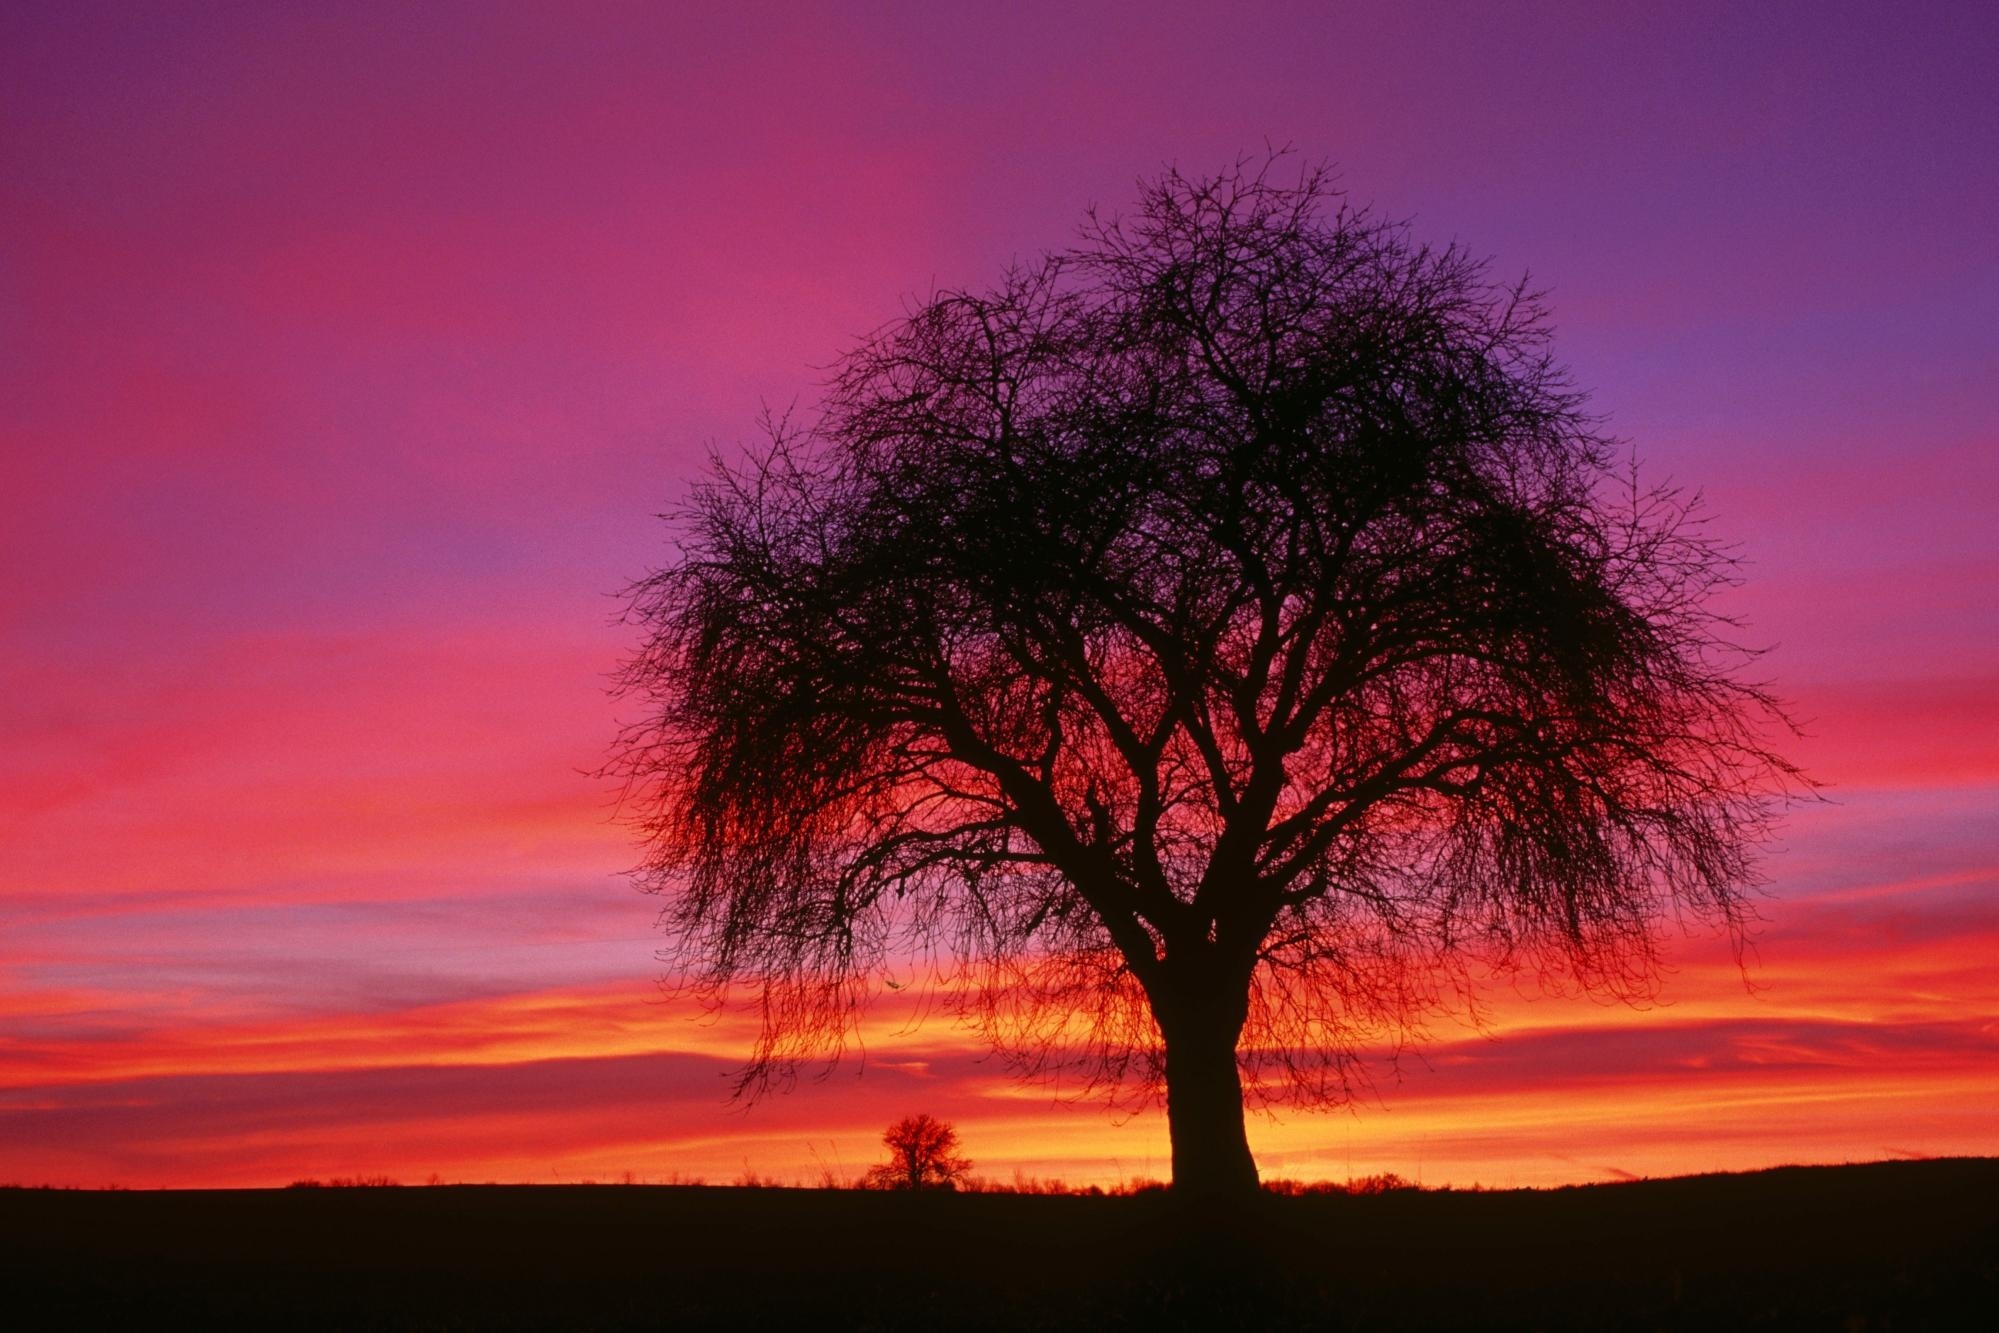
x=347 y=353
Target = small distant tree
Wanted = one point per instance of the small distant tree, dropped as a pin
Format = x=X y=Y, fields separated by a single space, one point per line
x=923 y=1155
x=1219 y=642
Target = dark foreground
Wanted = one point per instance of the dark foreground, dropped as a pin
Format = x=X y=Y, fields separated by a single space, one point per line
x=1894 y=1246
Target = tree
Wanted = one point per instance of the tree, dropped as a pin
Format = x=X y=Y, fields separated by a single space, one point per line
x=1209 y=648
x=923 y=1155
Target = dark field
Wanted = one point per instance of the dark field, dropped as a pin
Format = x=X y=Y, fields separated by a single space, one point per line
x=1909 y=1245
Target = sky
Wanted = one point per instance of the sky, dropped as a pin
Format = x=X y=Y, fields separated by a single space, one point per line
x=347 y=354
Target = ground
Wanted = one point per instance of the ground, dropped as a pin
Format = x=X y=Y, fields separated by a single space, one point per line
x=1889 y=1246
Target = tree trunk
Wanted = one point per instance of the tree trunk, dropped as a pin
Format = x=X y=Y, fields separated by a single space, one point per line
x=1204 y=1116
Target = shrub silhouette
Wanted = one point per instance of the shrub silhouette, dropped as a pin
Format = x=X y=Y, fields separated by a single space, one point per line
x=923 y=1155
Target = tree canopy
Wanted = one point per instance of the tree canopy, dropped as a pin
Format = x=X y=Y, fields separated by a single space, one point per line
x=1203 y=647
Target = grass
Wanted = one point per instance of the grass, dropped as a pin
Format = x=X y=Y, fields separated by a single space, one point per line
x=1909 y=1245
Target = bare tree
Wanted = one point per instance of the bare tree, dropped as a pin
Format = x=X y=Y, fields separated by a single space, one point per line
x=923 y=1155
x=1207 y=648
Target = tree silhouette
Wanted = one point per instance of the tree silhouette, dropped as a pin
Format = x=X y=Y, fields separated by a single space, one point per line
x=1209 y=648
x=923 y=1155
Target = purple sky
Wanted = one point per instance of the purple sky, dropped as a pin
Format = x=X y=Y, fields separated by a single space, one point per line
x=345 y=354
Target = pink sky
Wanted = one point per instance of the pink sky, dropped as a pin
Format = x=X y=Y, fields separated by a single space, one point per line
x=345 y=357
